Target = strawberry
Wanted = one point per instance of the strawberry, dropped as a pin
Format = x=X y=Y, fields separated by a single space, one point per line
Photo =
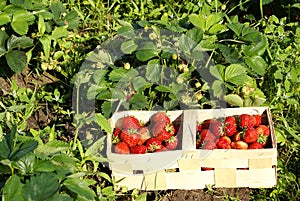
x=153 y=144
x=206 y=168
x=143 y=135
x=129 y=122
x=122 y=148
x=198 y=143
x=171 y=143
x=236 y=137
x=129 y=136
x=223 y=142
x=263 y=130
x=239 y=145
x=258 y=120
x=255 y=145
x=206 y=135
x=216 y=128
x=206 y=124
x=230 y=129
x=160 y=116
x=247 y=120
x=262 y=139
x=115 y=136
x=163 y=148
x=230 y=120
x=163 y=131
x=249 y=135
x=209 y=145
x=199 y=127
x=139 y=149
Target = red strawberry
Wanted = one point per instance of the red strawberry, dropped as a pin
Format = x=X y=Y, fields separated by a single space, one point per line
x=262 y=139
x=143 y=135
x=216 y=128
x=239 y=145
x=163 y=148
x=257 y=119
x=230 y=129
x=130 y=122
x=236 y=137
x=129 y=136
x=255 y=145
x=206 y=135
x=263 y=130
x=206 y=168
x=247 y=120
x=163 y=131
x=209 y=145
x=224 y=142
x=171 y=143
x=230 y=120
x=206 y=124
x=160 y=116
x=122 y=148
x=139 y=149
x=199 y=127
x=153 y=144
x=198 y=143
x=249 y=135
x=115 y=136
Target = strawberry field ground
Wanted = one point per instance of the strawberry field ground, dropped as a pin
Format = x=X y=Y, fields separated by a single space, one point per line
x=151 y=55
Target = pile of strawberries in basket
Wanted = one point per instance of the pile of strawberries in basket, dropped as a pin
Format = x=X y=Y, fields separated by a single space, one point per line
x=234 y=132
x=130 y=136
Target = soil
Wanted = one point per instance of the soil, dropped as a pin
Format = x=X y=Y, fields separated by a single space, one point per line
x=44 y=116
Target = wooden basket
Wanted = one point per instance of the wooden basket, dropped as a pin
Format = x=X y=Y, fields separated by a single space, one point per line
x=181 y=169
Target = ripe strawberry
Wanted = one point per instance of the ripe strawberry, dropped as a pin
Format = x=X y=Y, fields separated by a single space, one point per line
x=262 y=139
x=257 y=119
x=236 y=137
x=130 y=122
x=230 y=120
x=223 y=142
x=198 y=143
x=206 y=124
x=115 y=137
x=160 y=116
x=255 y=145
x=247 y=120
x=209 y=145
x=171 y=143
x=206 y=168
x=143 y=135
x=263 y=130
x=206 y=135
x=163 y=148
x=198 y=127
x=129 y=136
x=249 y=135
x=216 y=128
x=139 y=149
x=239 y=145
x=163 y=131
x=121 y=148
x=230 y=129
x=153 y=144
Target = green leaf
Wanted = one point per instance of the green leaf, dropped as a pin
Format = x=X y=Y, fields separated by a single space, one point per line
x=186 y=44
x=153 y=70
x=258 y=44
x=41 y=25
x=52 y=147
x=195 y=34
x=72 y=19
x=57 y=9
x=198 y=21
x=80 y=187
x=20 y=27
x=60 y=197
x=126 y=31
x=235 y=74
x=162 y=88
x=103 y=122
x=23 y=15
x=212 y=20
x=236 y=28
x=17 y=60
x=4 y=149
x=257 y=64
x=59 y=32
x=19 y=42
x=13 y=189
x=138 y=101
x=217 y=28
x=218 y=88
x=25 y=165
x=4 y=18
x=117 y=74
x=144 y=55
x=234 y=99
x=22 y=149
x=46 y=43
x=41 y=187
x=3 y=38
x=139 y=84
x=128 y=46
x=218 y=71
x=141 y=197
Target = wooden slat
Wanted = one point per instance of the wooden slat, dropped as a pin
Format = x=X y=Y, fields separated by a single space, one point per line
x=225 y=177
